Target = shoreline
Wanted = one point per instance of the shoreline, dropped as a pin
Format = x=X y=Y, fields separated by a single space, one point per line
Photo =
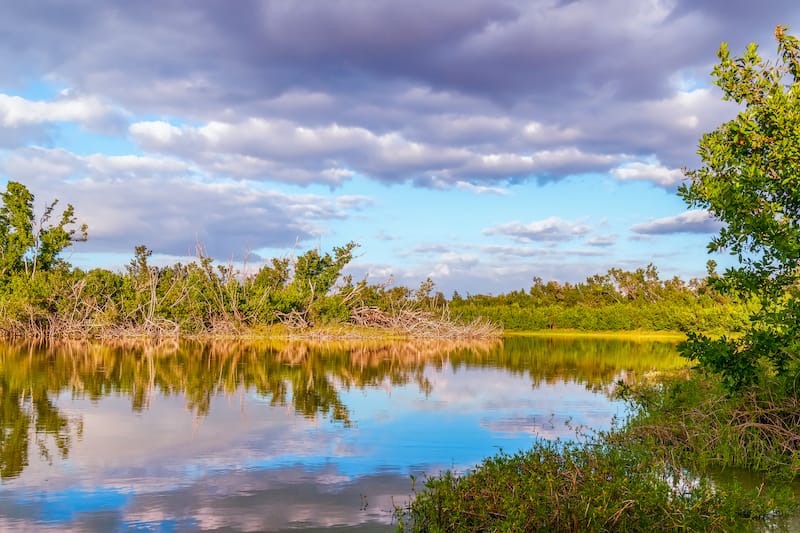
x=344 y=332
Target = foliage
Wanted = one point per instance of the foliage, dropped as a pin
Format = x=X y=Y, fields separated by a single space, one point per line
x=29 y=245
x=750 y=180
x=617 y=300
x=695 y=422
x=40 y=295
x=594 y=486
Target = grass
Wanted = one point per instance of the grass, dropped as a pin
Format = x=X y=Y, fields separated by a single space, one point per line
x=695 y=421
x=557 y=486
x=644 y=335
x=636 y=477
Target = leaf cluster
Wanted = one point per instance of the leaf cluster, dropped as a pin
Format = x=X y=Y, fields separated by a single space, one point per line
x=750 y=180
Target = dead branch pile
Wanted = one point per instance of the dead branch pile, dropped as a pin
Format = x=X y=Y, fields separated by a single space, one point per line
x=293 y=320
x=422 y=323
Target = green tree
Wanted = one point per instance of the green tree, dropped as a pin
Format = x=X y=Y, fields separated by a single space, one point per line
x=31 y=245
x=750 y=180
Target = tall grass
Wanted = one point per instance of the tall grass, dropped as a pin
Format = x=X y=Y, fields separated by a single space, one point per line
x=695 y=421
x=581 y=487
x=646 y=474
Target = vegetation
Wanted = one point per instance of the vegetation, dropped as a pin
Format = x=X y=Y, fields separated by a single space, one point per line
x=617 y=300
x=751 y=181
x=41 y=295
x=558 y=486
x=695 y=423
x=650 y=473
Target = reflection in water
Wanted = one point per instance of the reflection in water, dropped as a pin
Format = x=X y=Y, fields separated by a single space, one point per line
x=277 y=433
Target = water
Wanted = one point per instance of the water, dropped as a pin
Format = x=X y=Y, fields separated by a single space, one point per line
x=276 y=436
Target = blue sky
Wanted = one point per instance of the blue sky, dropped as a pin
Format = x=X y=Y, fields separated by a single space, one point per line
x=479 y=142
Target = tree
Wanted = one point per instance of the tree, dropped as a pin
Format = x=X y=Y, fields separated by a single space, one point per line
x=750 y=181
x=31 y=245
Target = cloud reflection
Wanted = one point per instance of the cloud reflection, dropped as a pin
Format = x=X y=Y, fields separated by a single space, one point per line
x=219 y=440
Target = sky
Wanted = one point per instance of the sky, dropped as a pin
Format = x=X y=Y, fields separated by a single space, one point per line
x=480 y=143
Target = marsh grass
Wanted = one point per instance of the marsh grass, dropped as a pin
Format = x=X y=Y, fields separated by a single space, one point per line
x=695 y=421
x=645 y=474
x=560 y=486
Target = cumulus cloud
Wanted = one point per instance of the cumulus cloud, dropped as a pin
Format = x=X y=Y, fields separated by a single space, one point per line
x=282 y=145
x=278 y=147
x=131 y=200
x=649 y=172
x=550 y=133
x=31 y=164
x=695 y=221
x=480 y=189
x=552 y=229
x=544 y=163
x=503 y=80
x=90 y=111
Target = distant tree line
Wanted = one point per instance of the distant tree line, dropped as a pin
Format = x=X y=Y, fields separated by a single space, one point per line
x=617 y=300
x=41 y=294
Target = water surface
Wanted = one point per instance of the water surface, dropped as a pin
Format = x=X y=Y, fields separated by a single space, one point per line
x=275 y=436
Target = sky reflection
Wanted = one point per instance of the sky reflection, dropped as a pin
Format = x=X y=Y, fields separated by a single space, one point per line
x=250 y=463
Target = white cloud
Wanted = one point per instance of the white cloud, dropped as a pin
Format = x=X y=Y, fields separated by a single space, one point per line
x=688 y=109
x=130 y=200
x=552 y=229
x=90 y=111
x=696 y=221
x=547 y=133
x=134 y=165
x=30 y=164
x=652 y=172
x=283 y=150
x=542 y=163
x=156 y=132
x=480 y=189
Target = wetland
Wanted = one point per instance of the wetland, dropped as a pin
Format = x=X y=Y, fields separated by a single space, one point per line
x=278 y=435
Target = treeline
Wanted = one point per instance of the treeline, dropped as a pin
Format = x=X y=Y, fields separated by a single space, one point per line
x=202 y=297
x=617 y=300
x=41 y=294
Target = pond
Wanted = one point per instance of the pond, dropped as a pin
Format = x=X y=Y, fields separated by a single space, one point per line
x=275 y=436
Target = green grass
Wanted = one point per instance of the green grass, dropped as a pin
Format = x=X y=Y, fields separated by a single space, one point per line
x=697 y=422
x=636 y=477
x=645 y=335
x=559 y=486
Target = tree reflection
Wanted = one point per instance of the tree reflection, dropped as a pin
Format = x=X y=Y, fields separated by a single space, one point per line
x=28 y=414
x=308 y=376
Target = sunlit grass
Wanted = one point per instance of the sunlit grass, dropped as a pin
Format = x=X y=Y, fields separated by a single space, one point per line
x=643 y=335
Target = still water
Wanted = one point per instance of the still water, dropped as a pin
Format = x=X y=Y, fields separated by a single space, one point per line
x=278 y=436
